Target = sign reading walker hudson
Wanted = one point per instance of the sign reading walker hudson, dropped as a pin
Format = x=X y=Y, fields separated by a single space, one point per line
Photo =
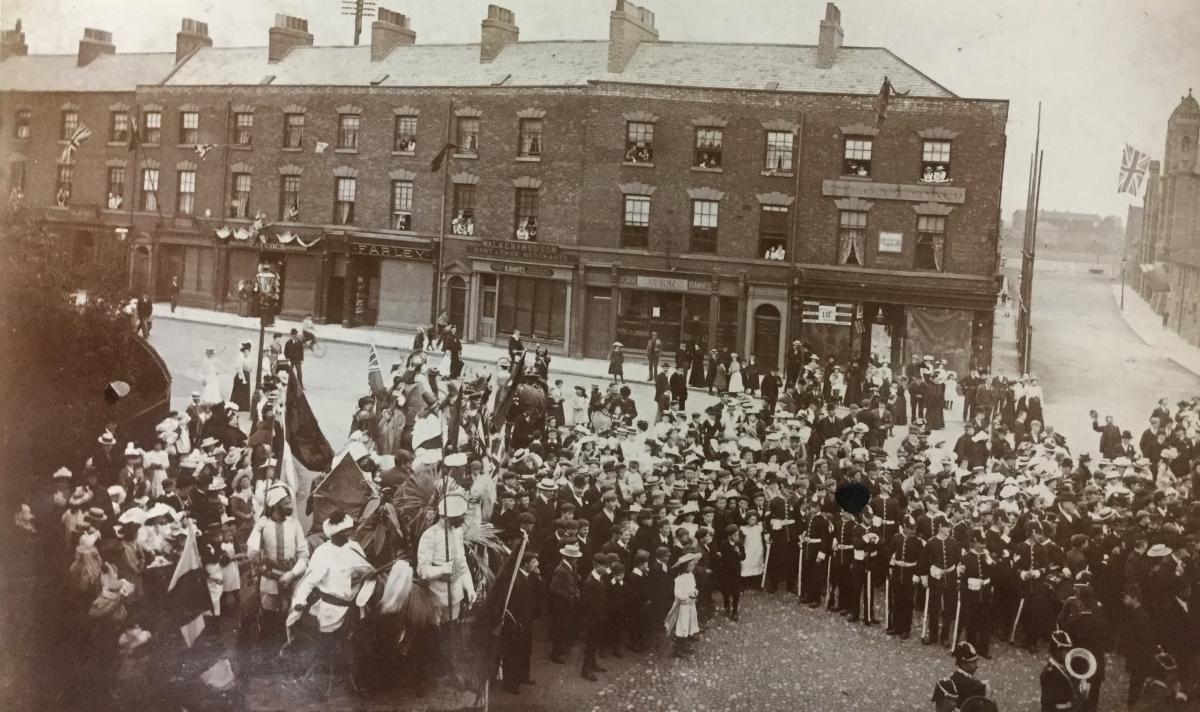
x=520 y=250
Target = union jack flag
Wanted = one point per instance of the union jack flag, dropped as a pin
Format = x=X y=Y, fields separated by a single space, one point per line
x=82 y=133
x=1134 y=165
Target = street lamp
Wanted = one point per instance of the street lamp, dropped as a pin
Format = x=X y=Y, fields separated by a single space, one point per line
x=262 y=294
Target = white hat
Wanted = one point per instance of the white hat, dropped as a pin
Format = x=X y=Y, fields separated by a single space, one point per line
x=159 y=509
x=276 y=494
x=133 y=515
x=117 y=494
x=687 y=558
x=1158 y=551
x=455 y=459
x=106 y=439
x=133 y=639
x=62 y=473
x=217 y=484
x=453 y=505
x=979 y=437
x=547 y=484
x=330 y=527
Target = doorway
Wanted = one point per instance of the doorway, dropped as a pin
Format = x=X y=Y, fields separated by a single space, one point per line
x=598 y=337
x=767 y=328
x=139 y=270
x=456 y=290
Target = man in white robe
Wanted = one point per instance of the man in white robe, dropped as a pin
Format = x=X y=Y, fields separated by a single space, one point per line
x=445 y=568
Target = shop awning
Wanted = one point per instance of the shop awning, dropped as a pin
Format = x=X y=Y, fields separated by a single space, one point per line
x=1156 y=276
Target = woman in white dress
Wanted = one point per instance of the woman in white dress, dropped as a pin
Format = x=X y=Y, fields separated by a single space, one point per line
x=210 y=375
x=735 y=375
x=754 y=563
x=682 y=622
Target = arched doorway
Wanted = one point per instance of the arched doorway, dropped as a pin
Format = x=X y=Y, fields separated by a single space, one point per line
x=456 y=290
x=767 y=326
x=139 y=269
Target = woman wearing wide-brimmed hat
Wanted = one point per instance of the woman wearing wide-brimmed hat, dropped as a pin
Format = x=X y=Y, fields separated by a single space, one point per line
x=242 y=373
x=683 y=622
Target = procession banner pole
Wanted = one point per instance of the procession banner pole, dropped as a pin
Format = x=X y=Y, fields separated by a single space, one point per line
x=1020 y=607
x=925 y=617
x=887 y=599
x=829 y=580
x=870 y=617
x=800 y=572
x=957 y=616
x=766 y=563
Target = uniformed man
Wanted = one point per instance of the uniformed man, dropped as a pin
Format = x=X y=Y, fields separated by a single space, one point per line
x=279 y=552
x=1059 y=691
x=963 y=685
x=906 y=553
x=843 y=554
x=780 y=523
x=939 y=572
x=817 y=538
x=975 y=573
x=1031 y=565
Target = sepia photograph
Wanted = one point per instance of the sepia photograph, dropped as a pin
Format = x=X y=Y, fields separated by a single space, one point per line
x=592 y=356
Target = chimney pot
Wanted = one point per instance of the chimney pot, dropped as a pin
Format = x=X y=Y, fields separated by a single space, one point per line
x=628 y=27
x=830 y=40
x=389 y=31
x=287 y=33
x=93 y=44
x=192 y=35
x=498 y=30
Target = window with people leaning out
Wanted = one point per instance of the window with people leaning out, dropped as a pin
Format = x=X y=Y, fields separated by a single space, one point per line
x=405 y=137
x=526 y=219
x=935 y=162
x=857 y=160
x=462 y=220
x=402 y=197
x=708 y=149
x=639 y=142
x=772 y=232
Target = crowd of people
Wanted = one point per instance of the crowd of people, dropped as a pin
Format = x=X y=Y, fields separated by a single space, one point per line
x=633 y=523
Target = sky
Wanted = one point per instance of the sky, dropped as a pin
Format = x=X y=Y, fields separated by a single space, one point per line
x=1108 y=72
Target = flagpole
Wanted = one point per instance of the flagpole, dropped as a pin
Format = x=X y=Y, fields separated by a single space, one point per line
x=441 y=246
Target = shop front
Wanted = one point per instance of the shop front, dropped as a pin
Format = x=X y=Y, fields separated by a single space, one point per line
x=381 y=281
x=519 y=286
x=190 y=263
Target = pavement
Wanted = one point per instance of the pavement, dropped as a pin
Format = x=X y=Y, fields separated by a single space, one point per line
x=1148 y=325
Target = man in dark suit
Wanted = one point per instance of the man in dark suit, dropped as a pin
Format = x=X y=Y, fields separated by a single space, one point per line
x=197 y=414
x=516 y=633
x=770 y=388
x=592 y=600
x=662 y=381
x=516 y=349
x=653 y=351
x=293 y=351
x=603 y=523
x=678 y=384
x=1110 y=436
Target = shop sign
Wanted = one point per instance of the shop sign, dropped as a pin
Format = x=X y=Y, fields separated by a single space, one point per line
x=393 y=251
x=828 y=313
x=891 y=242
x=272 y=246
x=519 y=250
x=74 y=213
x=528 y=270
x=687 y=283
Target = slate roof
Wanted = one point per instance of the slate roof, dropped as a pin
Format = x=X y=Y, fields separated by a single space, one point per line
x=106 y=73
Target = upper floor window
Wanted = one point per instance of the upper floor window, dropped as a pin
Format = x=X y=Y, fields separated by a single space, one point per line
x=635 y=222
x=347 y=135
x=639 y=142
x=70 y=122
x=118 y=126
x=402 y=204
x=526 y=214
x=852 y=237
x=293 y=130
x=289 y=198
x=189 y=127
x=704 y=225
x=116 y=187
x=185 y=193
x=463 y=220
x=931 y=242
x=62 y=184
x=935 y=162
x=148 y=201
x=239 y=206
x=152 y=127
x=468 y=134
x=404 y=138
x=857 y=156
x=1185 y=144
x=773 y=232
x=343 y=201
x=243 y=128
x=779 y=152
x=21 y=125
x=529 y=138
x=708 y=148
x=16 y=179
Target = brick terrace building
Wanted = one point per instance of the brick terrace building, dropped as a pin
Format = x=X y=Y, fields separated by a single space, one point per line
x=596 y=191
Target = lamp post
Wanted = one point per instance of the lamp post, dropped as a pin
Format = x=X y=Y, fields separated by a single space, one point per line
x=262 y=294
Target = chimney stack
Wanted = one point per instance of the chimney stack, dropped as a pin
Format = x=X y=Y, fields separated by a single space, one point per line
x=94 y=43
x=628 y=27
x=389 y=31
x=12 y=43
x=831 y=37
x=499 y=30
x=287 y=33
x=193 y=35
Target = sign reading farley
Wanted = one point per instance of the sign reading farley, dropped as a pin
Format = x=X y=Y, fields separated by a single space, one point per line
x=669 y=282
x=519 y=250
x=391 y=249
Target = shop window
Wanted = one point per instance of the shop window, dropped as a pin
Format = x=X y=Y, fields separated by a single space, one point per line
x=149 y=197
x=185 y=194
x=402 y=199
x=639 y=142
x=289 y=199
x=852 y=237
x=708 y=148
x=463 y=220
x=21 y=124
x=727 y=323
x=635 y=222
x=62 y=185
x=704 y=225
x=529 y=138
x=152 y=128
x=935 y=162
x=198 y=271
x=526 y=227
x=239 y=207
x=343 y=201
x=404 y=137
x=118 y=126
x=241 y=265
x=773 y=232
x=83 y=249
x=189 y=127
x=857 y=156
x=347 y=135
x=70 y=122
x=468 y=134
x=116 y=187
x=16 y=179
x=293 y=130
x=300 y=284
x=536 y=307
x=243 y=128
x=931 y=242
x=779 y=152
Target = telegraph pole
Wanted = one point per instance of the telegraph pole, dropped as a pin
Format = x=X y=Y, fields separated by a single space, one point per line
x=358 y=9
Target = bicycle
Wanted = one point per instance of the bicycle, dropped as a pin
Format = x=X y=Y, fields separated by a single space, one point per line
x=312 y=344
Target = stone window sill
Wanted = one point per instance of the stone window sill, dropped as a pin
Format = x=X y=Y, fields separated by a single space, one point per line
x=702 y=169
x=404 y=153
x=529 y=159
x=778 y=174
x=292 y=149
x=345 y=150
x=860 y=179
x=466 y=156
x=638 y=165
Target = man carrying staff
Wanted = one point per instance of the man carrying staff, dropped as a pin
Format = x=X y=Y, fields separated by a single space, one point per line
x=279 y=550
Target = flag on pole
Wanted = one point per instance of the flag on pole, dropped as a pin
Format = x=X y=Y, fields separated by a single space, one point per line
x=321 y=146
x=202 y=149
x=1134 y=165
x=375 y=373
x=436 y=164
x=82 y=133
x=188 y=590
x=303 y=433
x=135 y=136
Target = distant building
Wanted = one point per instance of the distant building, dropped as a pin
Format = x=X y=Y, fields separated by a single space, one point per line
x=1077 y=236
